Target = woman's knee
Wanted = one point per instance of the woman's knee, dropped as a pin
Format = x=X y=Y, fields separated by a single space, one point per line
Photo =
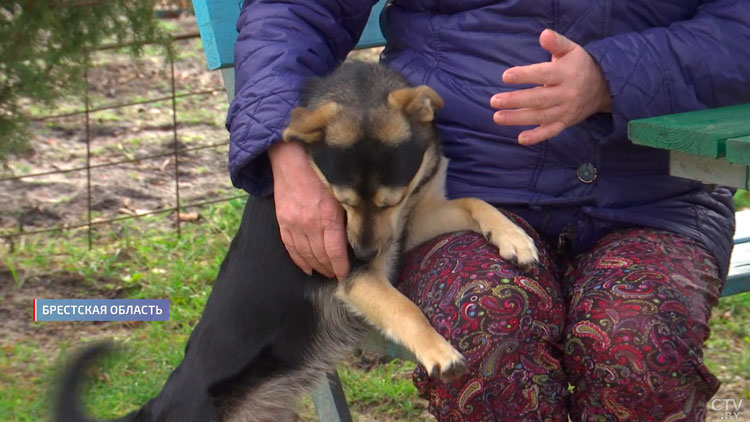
x=629 y=358
x=468 y=291
x=506 y=323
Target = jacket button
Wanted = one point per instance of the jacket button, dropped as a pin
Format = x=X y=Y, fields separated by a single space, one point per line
x=586 y=173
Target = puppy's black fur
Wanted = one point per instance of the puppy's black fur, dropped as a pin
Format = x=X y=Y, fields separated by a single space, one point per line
x=259 y=324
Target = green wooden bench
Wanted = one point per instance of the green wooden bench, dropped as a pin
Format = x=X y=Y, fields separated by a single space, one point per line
x=711 y=146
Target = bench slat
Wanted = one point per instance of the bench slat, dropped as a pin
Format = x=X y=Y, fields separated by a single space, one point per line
x=329 y=399
x=738 y=149
x=702 y=132
x=739 y=271
x=372 y=36
x=216 y=21
x=709 y=170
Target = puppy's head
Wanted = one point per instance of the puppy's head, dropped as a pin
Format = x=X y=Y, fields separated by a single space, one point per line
x=372 y=158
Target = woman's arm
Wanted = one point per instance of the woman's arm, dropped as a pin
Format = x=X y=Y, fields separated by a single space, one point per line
x=689 y=65
x=280 y=45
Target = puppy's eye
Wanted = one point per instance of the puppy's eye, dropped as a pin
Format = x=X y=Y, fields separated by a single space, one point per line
x=349 y=204
x=388 y=197
x=346 y=196
x=388 y=204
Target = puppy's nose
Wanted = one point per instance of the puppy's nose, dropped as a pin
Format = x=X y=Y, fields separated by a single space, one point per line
x=365 y=254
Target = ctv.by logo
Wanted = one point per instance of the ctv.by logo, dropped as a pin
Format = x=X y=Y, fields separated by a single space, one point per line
x=732 y=408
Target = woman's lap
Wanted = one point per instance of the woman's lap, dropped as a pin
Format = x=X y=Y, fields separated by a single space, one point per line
x=508 y=325
x=635 y=307
x=638 y=306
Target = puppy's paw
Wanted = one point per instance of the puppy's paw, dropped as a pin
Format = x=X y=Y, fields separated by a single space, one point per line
x=443 y=361
x=514 y=245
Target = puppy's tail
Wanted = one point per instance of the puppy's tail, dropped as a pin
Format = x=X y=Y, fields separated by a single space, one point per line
x=67 y=406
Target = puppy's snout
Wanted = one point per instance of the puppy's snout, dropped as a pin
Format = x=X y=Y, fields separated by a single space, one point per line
x=365 y=254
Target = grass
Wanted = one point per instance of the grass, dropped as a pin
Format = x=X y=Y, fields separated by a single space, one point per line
x=386 y=389
x=142 y=259
x=728 y=349
x=742 y=199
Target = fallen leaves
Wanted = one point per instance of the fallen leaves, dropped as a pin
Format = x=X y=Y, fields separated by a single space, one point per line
x=189 y=216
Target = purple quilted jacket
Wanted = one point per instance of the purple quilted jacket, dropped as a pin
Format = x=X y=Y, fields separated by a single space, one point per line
x=658 y=56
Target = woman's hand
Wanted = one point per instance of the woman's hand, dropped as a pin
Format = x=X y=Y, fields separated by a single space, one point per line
x=571 y=88
x=310 y=219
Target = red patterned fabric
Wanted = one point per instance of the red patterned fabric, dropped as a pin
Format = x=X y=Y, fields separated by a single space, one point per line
x=622 y=324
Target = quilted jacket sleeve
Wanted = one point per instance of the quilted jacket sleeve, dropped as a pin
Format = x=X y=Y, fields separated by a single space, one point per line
x=280 y=44
x=694 y=64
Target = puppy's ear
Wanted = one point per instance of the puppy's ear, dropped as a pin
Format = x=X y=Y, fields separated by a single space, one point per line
x=421 y=102
x=308 y=125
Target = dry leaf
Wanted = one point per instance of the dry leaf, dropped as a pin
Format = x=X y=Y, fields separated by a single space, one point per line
x=189 y=216
x=133 y=211
x=164 y=164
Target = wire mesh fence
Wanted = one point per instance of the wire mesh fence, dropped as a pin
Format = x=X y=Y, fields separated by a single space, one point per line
x=146 y=138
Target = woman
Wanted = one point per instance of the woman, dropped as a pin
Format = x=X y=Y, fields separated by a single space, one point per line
x=535 y=122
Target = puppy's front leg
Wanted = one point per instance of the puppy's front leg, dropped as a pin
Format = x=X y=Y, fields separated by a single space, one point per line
x=435 y=215
x=371 y=294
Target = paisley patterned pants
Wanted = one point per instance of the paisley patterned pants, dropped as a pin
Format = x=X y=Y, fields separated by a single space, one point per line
x=614 y=334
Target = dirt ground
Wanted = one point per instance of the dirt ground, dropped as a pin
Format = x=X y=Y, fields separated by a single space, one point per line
x=123 y=134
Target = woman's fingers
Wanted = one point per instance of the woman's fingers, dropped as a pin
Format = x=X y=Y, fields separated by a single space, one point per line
x=288 y=240
x=335 y=243
x=530 y=116
x=536 y=97
x=541 y=133
x=320 y=260
x=538 y=73
x=570 y=88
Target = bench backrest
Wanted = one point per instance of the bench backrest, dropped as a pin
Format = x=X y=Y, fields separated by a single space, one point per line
x=217 y=24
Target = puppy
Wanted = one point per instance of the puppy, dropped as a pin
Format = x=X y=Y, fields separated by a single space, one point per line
x=372 y=139
x=269 y=332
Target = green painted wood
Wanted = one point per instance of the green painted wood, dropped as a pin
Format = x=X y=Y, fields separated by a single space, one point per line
x=738 y=150
x=702 y=132
x=217 y=19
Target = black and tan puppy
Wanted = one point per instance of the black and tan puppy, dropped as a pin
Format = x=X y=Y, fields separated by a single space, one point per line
x=268 y=331
x=372 y=139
